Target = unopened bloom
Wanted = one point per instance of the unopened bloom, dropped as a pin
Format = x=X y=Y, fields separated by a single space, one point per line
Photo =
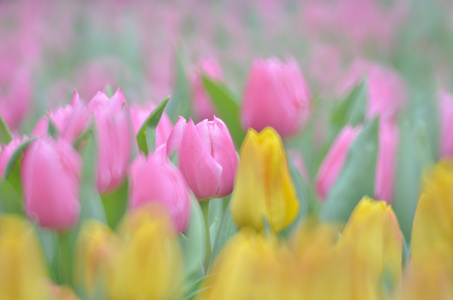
x=203 y=108
x=51 y=172
x=446 y=123
x=114 y=139
x=264 y=187
x=6 y=151
x=207 y=157
x=276 y=95
x=334 y=160
x=155 y=179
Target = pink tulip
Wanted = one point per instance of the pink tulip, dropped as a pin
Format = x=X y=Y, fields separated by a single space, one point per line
x=51 y=172
x=163 y=130
x=70 y=121
x=334 y=160
x=386 y=162
x=207 y=157
x=114 y=139
x=202 y=104
x=155 y=179
x=276 y=95
x=299 y=163
x=446 y=123
x=7 y=151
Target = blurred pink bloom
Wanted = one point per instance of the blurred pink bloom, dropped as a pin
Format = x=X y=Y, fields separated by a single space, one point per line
x=51 y=172
x=299 y=163
x=155 y=179
x=446 y=123
x=387 y=92
x=334 y=160
x=207 y=157
x=163 y=130
x=114 y=139
x=386 y=161
x=7 y=151
x=276 y=95
x=70 y=121
x=202 y=106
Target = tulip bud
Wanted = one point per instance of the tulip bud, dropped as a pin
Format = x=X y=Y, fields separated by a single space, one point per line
x=70 y=121
x=22 y=269
x=334 y=160
x=163 y=129
x=155 y=179
x=203 y=108
x=114 y=139
x=263 y=187
x=276 y=95
x=7 y=151
x=446 y=123
x=51 y=173
x=386 y=161
x=207 y=157
x=150 y=265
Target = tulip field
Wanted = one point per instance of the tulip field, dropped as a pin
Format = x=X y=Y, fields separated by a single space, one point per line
x=276 y=149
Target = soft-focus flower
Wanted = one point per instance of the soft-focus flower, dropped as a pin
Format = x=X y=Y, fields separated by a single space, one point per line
x=70 y=121
x=114 y=137
x=446 y=123
x=163 y=129
x=207 y=157
x=202 y=106
x=150 y=265
x=299 y=163
x=6 y=151
x=386 y=161
x=334 y=160
x=155 y=179
x=51 y=173
x=264 y=187
x=276 y=95
x=22 y=268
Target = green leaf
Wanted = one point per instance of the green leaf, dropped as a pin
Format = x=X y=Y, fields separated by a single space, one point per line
x=413 y=157
x=16 y=156
x=115 y=204
x=52 y=129
x=227 y=107
x=356 y=178
x=227 y=229
x=10 y=201
x=180 y=102
x=146 y=136
x=5 y=133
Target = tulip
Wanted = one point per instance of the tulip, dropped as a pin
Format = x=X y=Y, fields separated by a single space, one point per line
x=163 y=129
x=7 y=151
x=114 y=139
x=263 y=187
x=386 y=161
x=334 y=160
x=155 y=179
x=276 y=95
x=22 y=267
x=207 y=157
x=446 y=123
x=70 y=121
x=203 y=108
x=299 y=163
x=150 y=265
x=51 y=173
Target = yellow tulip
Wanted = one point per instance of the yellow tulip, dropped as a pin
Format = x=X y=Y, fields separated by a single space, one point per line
x=23 y=274
x=263 y=187
x=150 y=265
x=96 y=250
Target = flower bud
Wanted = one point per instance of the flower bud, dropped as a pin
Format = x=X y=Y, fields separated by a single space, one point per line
x=6 y=151
x=276 y=95
x=207 y=157
x=334 y=160
x=263 y=187
x=51 y=172
x=446 y=123
x=114 y=139
x=155 y=179
x=203 y=108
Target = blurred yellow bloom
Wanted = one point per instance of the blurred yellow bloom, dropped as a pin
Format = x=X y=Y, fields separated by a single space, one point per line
x=23 y=274
x=263 y=187
x=150 y=265
x=96 y=250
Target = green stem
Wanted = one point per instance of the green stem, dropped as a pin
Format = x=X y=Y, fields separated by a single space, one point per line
x=63 y=259
x=205 y=209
